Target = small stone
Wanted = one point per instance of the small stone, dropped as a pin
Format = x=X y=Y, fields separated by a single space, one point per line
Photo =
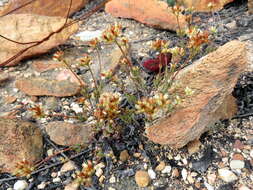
x=175 y=172
x=20 y=185
x=184 y=174
x=226 y=175
x=101 y=179
x=193 y=146
x=243 y=187
x=76 y=108
x=10 y=99
x=99 y=172
x=208 y=186
x=112 y=179
x=251 y=153
x=166 y=170
x=237 y=164
x=124 y=156
x=57 y=180
x=111 y=188
x=50 y=152
x=238 y=144
x=53 y=174
x=161 y=166
x=190 y=179
x=151 y=174
x=142 y=178
x=231 y=25
x=211 y=177
x=72 y=186
x=68 y=166
x=42 y=185
x=238 y=156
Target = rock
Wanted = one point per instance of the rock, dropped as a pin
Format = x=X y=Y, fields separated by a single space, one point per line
x=237 y=164
x=72 y=186
x=20 y=140
x=238 y=144
x=10 y=99
x=4 y=77
x=161 y=166
x=68 y=134
x=20 y=185
x=151 y=174
x=68 y=166
x=212 y=99
x=238 y=156
x=142 y=178
x=175 y=172
x=45 y=7
x=151 y=12
x=124 y=156
x=30 y=28
x=87 y=36
x=46 y=65
x=166 y=170
x=36 y=86
x=66 y=74
x=193 y=146
x=226 y=175
x=203 y=163
x=184 y=174
x=211 y=177
x=250 y=6
x=243 y=187
x=201 y=5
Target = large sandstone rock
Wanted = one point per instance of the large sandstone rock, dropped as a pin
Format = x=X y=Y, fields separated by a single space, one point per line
x=68 y=134
x=151 y=12
x=44 y=7
x=18 y=140
x=212 y=78
x=201 y=5
x=44 y=87
x=27 y=28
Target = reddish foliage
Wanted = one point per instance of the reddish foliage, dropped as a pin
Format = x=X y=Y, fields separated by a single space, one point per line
x=154 y=65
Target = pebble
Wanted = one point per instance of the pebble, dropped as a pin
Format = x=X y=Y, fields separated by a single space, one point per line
x=53 y=174
x=243 y=187
x=111 y=188
x=184 y=174
x=142 y=178
x=151 y=174
x=99 y=172
x=237 y=164
x=68 y=166
x=124 y=156
x=175 y=172
x=226 y=175
x=211 y=177
x=166 y=170
x=208 y=186
x=42 y=185
x=57 y=180
x=72 y=186
x=20 y=185
x=251 y=153
x=161 y=166
x=112 y=179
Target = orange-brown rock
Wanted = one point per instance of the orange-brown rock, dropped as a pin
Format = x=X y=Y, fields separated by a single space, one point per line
x=46 y=65
x=250 y=6
x=202 y=5
x=212 y=79
x=67 y=134
x=29 y=28
x=151 y=12
x=19 y=140
x=47 y=87
x=43 y=7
